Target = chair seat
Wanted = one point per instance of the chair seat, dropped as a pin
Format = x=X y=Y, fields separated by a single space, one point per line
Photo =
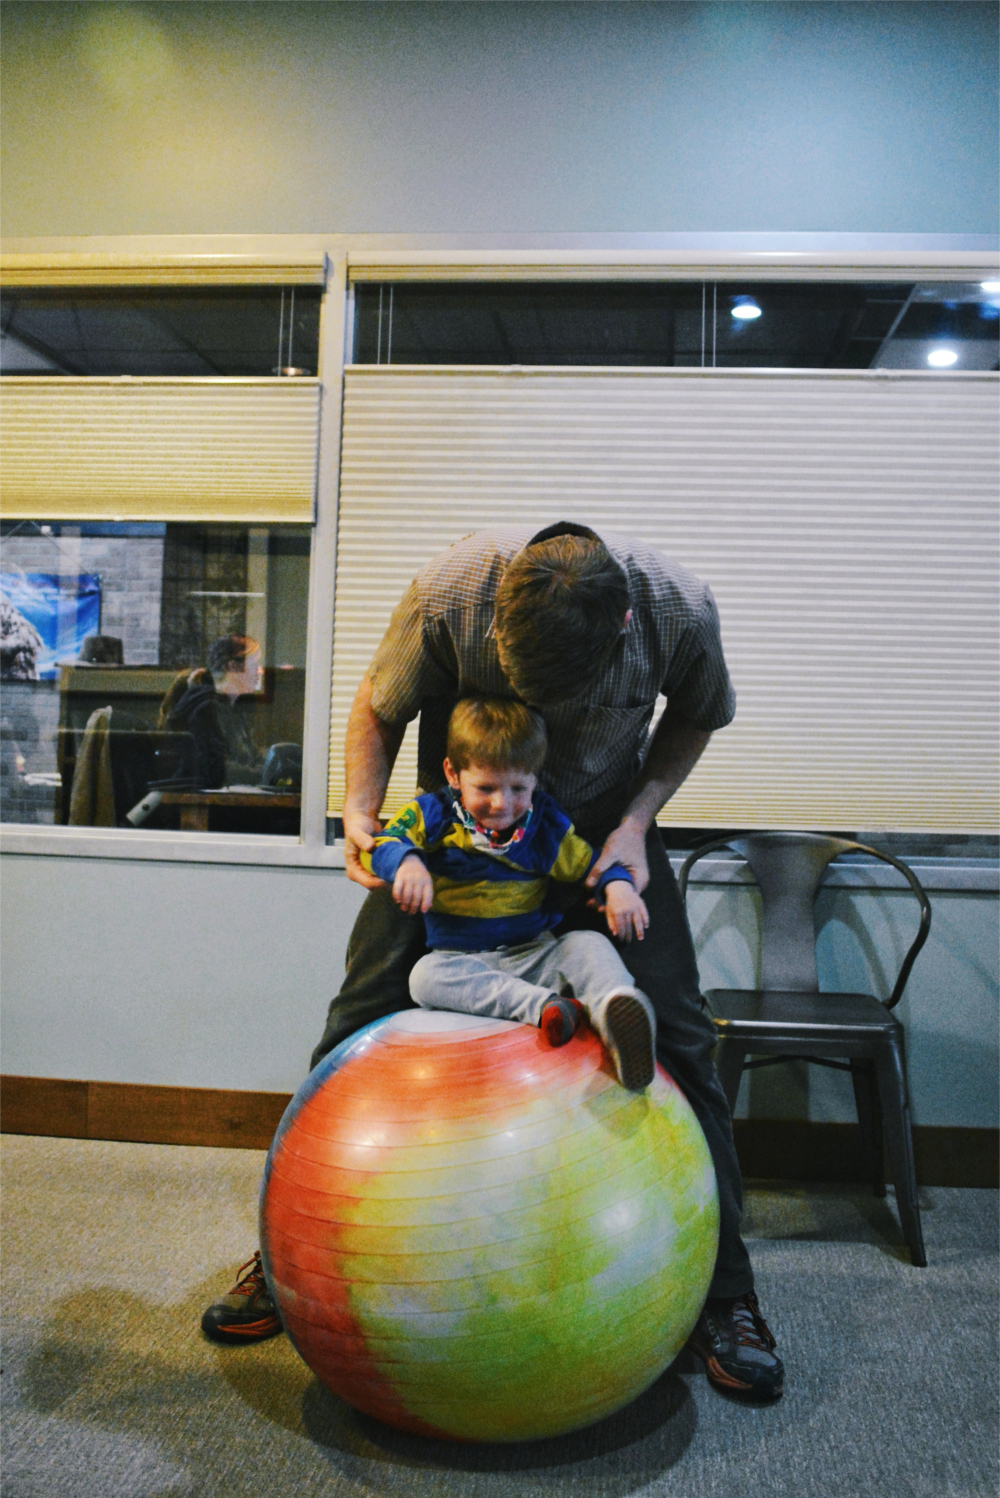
x=803 y=1015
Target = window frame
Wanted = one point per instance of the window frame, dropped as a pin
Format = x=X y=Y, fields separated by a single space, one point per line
x=310 y=848
x=186 y=260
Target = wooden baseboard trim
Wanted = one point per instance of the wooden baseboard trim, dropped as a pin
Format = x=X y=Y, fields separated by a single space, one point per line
x=140 y=1114
x=768 y=1148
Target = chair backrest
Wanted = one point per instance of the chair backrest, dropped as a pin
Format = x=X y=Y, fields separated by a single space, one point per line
x=789 y=867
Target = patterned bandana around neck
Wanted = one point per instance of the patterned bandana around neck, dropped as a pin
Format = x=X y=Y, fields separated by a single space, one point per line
x=483 y=837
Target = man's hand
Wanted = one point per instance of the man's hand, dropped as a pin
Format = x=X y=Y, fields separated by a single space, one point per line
x=673 y=753
x=413 y=887
x=360 y=832
x=627 y=846
x=369 y=753
x=625 y=911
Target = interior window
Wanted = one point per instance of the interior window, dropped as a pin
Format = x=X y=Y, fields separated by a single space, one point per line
x=708 y=324
x=153 y=674
x=243 y=330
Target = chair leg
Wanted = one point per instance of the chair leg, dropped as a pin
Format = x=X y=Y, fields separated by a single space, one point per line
x=890 y=1070
x=870 y=1119
x=729 y=1059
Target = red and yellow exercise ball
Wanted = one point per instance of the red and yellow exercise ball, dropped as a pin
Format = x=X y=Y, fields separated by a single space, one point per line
x=470 y=1234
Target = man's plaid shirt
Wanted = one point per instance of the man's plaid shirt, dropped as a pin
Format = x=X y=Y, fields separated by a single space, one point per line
x=440 y=645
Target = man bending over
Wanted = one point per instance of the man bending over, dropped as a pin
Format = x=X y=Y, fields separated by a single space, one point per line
x=587 y=630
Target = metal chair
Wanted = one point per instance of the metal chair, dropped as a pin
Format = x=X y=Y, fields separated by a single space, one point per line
x=789 y=1019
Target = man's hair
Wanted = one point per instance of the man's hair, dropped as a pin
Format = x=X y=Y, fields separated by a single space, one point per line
x=230 y=650
x=560 y=608
x=497 y=732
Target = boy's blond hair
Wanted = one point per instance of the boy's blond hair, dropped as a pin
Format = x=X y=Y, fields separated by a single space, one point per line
x=497 y=732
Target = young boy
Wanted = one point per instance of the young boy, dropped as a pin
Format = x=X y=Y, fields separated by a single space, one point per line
x=479 y=861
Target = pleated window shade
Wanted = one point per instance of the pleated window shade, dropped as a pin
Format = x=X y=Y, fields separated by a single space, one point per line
x=846 y=523
x=158 y=448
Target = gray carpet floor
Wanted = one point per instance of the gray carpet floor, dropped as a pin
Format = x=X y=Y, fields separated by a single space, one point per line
x=109 y=1390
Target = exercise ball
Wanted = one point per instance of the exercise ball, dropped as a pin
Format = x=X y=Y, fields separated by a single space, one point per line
x=470 y=1234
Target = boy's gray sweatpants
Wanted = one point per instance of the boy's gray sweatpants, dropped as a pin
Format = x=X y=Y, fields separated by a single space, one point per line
x=517 y=982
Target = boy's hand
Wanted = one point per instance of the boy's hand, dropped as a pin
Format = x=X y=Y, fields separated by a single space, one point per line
x=413 y=887
x=625 y=910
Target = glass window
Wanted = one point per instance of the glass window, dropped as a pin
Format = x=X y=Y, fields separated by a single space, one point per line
x=723 y=324
x=266 y=330
x=153 y=675
x=946 y=326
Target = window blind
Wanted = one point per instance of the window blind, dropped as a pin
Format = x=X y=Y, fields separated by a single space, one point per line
x=75 y=269
x=654 y=265
x=846 y=523
x=158 y=448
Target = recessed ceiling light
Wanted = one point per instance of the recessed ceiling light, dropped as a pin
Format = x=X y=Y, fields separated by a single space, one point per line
x=990 y=285
x=745 y=308
x=942 y=358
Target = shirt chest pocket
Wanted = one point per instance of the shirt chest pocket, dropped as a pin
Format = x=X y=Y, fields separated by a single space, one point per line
x=598 y=735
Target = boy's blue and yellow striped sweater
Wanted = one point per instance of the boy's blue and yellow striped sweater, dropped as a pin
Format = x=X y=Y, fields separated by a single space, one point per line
x=485 y=899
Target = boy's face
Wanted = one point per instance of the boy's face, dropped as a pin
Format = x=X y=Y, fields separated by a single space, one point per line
x=496 y=798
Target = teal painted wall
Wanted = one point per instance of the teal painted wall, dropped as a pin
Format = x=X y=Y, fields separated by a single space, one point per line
x=189 y=975
x=950 y=1008
x=876 y=116
x=206 y=975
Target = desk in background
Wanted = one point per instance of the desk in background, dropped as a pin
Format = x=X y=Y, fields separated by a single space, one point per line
x=195 y=806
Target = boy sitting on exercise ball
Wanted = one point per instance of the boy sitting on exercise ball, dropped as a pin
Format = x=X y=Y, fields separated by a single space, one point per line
x=480 y=861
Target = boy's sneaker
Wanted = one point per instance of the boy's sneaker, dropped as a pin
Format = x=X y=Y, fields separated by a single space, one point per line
x=629 y=1032
x=737 y=1347
x=560 y=1019
x=247 y=1313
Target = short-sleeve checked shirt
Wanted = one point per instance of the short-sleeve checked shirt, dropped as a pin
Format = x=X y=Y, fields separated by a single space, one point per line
x=441 y=645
